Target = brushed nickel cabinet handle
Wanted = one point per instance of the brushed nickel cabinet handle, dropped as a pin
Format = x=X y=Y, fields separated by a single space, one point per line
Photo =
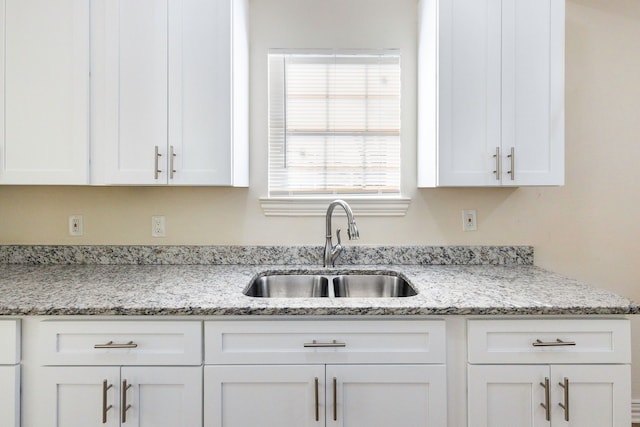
x=156 y=169
x=316 y=398
x=512 y=157
x=105 y=407
x=315 y=344
x=556 y=343
x=545 y=405
x=565 y=405
x=111 y=344
x=335 y=399
x=125 y=406
x=497 y=157
x=172 y=156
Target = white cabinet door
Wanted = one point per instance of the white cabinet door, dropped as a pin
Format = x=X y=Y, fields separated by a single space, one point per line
x=510 y=395
x=200 y=92
x=507 y=396
x=386 y=395
x=598 y=395
x=79 y=397
x=129 y=91
x=469 y=95
x=265 y=396
x=85 y=396
x=533 y=92
x=162 y=396
x=10 y=396
x=495 y=115
x=170 y=92
x=44 y=116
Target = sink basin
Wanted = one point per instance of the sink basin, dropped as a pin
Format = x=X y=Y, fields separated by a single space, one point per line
x=345 y=285
x=372 y=286
x=288 y=286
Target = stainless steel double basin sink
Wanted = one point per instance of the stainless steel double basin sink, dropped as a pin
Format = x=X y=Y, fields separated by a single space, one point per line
x=348 y=285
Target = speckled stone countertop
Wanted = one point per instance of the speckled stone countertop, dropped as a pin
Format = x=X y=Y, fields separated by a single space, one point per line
x=509 y=286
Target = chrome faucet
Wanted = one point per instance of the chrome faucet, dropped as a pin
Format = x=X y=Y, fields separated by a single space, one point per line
x=331 y=252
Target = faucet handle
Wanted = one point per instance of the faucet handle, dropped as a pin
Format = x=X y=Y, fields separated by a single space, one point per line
x=338 y=236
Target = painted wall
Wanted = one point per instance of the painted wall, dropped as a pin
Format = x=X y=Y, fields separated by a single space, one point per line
x=588 y=229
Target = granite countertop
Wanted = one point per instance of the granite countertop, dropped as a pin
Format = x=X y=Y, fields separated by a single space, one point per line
x=93 y=289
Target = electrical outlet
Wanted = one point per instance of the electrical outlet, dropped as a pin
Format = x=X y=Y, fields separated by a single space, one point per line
x=469 y=220
x=76 y=227
x=158 y=226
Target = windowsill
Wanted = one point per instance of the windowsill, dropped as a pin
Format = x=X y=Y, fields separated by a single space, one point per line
x=317 y=206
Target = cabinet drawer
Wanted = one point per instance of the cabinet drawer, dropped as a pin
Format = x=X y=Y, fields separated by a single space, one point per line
x=549 y=341
x=121 y=342
x=326 y=341
x=9 y=342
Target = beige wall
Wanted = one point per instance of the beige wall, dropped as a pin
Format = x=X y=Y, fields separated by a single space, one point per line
x=588 y=229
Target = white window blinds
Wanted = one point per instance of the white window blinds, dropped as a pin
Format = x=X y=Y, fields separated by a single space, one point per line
x=334 y=123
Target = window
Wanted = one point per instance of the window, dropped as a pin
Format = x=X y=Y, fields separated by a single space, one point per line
x=334 y=123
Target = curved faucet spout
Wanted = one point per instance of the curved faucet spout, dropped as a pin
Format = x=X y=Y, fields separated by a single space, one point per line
x=332 y=252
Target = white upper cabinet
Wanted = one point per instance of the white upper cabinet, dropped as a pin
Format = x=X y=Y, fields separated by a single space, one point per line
x=491 y=93
x=170 y=92
x=44 y=70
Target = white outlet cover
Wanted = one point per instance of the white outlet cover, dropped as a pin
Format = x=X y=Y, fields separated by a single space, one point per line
x=469 y=220
x=76 y=226
x=158 y=226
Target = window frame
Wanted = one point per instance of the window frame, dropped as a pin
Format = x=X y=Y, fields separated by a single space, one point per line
x=368 y=203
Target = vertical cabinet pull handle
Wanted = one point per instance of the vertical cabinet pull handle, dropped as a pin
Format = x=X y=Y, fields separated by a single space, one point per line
x=172 y=156
x=335 y=399
x=105 y=407
x=125 y=406
x=156 y=169
x=565 y=405
x=497 y=157
x=316 y=399
x=512 y=157
x=545 y=405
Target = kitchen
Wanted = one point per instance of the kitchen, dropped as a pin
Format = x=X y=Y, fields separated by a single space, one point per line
x=585 y=229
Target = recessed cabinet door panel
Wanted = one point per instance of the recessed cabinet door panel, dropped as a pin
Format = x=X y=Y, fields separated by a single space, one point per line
x=386 y=395
x=45 y=83
x=265 y=396
x=163 y=396
x=200 y=92
x=532 y=92
x=75 y=397
x=10 y=396
x=598 y=395
x=469 y=128
x=129 y=48
x=507 y=396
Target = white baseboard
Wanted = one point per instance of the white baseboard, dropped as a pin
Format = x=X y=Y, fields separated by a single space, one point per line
x=635 y=411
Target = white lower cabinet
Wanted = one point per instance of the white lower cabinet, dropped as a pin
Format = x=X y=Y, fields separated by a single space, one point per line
x=514 y=395
x=360 y=373
x=331 y=395
x=114 y=396
x=10 y=396
x=316 y=372
x=535 y=385
x=118 y=373
x=10 y=373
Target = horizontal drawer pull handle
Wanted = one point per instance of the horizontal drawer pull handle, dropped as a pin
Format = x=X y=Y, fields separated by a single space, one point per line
x=334 y=343
x=556 y=343
x=111 y=344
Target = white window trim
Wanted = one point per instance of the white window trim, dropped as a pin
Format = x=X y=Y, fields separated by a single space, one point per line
x=317 y=206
